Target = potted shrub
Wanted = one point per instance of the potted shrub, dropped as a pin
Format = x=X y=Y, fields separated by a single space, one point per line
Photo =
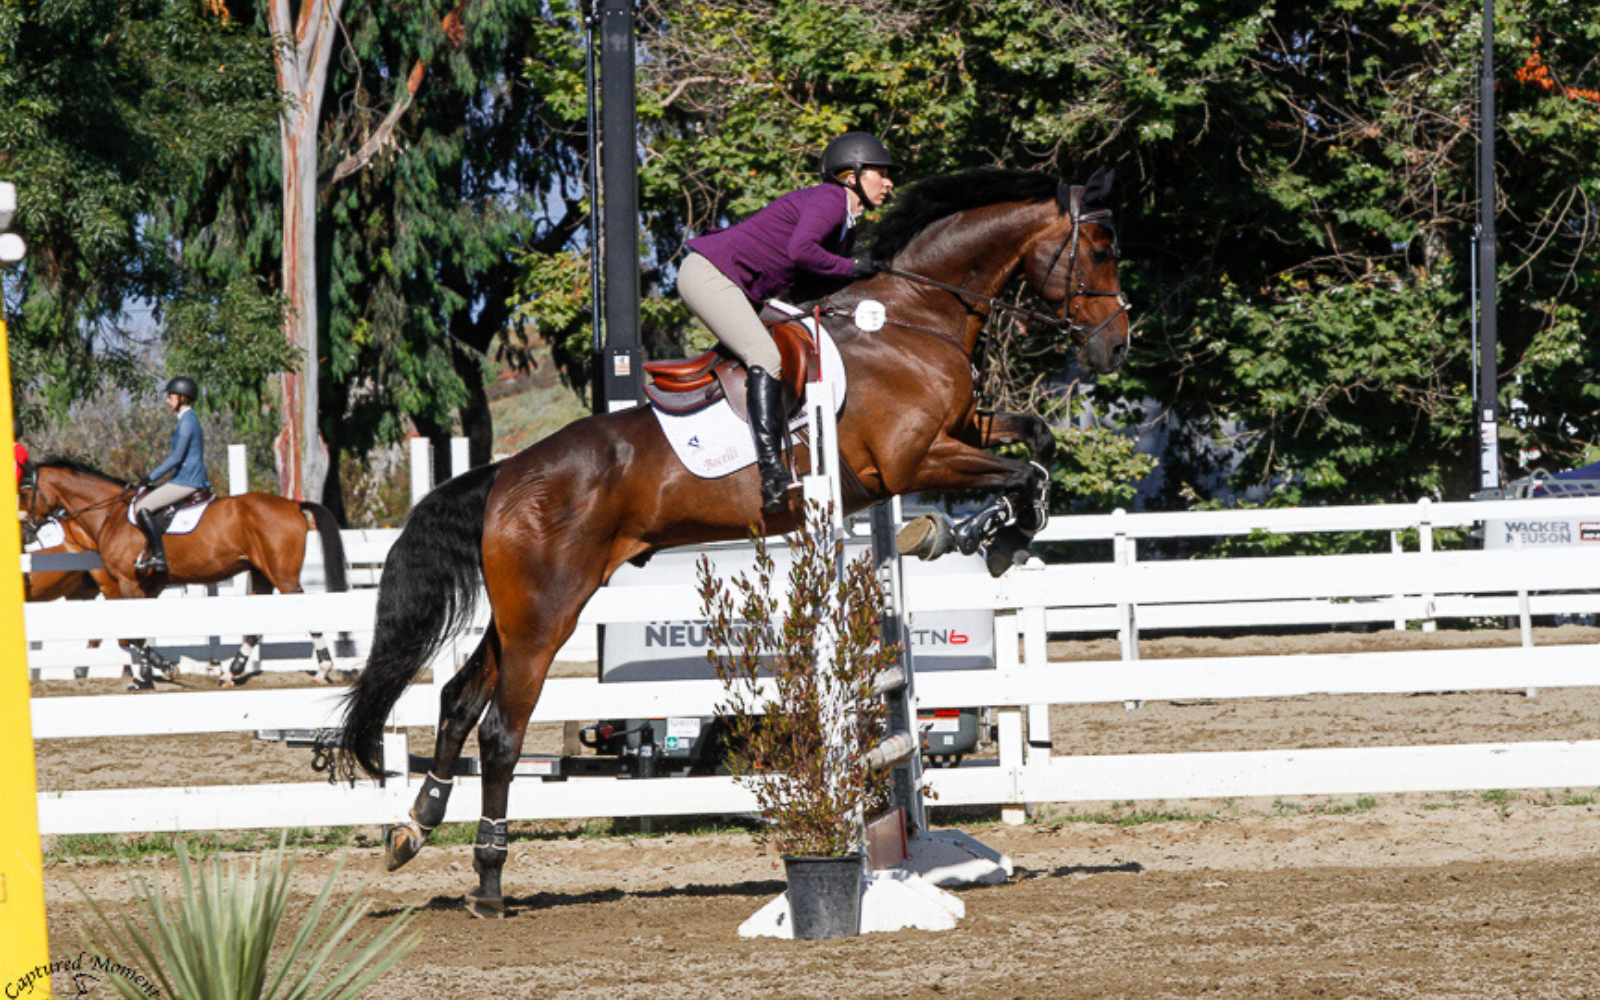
x=798 y=735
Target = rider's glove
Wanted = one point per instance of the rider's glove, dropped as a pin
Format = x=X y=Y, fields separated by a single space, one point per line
x=865 y=266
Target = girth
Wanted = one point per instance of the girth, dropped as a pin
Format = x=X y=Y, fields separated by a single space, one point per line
x=688 y=385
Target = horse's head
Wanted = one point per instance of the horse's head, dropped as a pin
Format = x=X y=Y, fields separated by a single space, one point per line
x=1073 y=265
x=57 y=485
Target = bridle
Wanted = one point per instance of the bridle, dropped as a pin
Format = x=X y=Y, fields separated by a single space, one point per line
x=1068 y=320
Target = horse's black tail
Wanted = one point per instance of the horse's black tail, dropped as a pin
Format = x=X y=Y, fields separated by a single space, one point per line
x=334 y=568
x=428 y=592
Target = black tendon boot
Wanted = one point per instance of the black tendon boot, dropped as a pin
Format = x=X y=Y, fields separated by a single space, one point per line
x=488 y=857
x=764 y=397
x=154 y=558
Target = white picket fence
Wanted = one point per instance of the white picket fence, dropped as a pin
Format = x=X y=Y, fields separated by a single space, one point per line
x=1122 y=596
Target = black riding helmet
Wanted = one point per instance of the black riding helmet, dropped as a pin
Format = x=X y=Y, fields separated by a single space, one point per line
x=184 y=386
x=853 y=151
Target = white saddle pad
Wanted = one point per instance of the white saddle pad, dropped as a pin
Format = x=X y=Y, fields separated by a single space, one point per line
x=715 y=442
x=185 y=521
x=48 y=536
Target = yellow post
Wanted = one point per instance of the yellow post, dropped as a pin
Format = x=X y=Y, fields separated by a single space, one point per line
x=22 y=927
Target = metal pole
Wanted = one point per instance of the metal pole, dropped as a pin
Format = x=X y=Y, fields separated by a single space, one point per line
x=620 y=374
x=591 y=21
x=1488 y=406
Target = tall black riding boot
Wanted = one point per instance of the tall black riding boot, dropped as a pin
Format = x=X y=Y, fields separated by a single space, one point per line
x=764 y=397
x=154 y=558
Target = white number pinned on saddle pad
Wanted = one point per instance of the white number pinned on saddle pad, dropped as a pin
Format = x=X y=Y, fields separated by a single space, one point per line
x=870 y=315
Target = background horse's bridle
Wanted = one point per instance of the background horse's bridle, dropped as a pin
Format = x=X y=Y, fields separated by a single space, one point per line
x=1068 y=320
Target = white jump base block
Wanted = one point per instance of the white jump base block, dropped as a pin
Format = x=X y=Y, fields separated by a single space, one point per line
x=891 y=900
x=950 y=857
x=910 y=896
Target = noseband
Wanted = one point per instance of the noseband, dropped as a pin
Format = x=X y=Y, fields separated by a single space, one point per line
x=1068 y=320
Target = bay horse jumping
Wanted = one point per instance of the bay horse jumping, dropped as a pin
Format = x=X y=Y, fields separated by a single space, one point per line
x=258 y=532
x=544 y=529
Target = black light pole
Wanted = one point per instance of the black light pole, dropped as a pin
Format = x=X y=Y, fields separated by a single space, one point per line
x=619 y=358
x=1485 y=393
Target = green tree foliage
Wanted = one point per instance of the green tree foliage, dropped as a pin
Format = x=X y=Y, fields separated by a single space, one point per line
x=1301 y=234
x=114 y=120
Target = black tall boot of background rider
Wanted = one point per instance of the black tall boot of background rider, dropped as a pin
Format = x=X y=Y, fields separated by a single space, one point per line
x=154 y=558
x=764 y=398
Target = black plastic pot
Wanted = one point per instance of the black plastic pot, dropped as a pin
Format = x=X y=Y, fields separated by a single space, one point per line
x=824 y=896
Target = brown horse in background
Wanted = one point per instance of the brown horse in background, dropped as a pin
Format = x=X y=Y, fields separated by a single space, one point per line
x=546 y=528
x=258 y=532
x=54 y=584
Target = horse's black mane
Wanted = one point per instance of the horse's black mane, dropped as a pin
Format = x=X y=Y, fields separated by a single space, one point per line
x=73 y=465
x=934 y=198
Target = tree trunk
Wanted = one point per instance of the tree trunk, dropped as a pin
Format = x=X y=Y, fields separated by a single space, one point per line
x=303 y=54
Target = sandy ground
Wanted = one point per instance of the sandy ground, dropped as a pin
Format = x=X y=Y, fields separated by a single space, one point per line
x=1463 y=895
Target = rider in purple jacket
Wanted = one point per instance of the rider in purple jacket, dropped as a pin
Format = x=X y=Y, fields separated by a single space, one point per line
x=730 y=272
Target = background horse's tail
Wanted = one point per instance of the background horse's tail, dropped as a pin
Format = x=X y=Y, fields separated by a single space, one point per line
x=428 y=592
x=334 y=568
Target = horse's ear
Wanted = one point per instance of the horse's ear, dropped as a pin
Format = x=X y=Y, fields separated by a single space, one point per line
x=1099 y=187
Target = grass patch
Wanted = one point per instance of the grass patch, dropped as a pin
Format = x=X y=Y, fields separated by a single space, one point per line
x=1363 y=803
x=109 y=847
x=1500 y=798
x=1130 y=814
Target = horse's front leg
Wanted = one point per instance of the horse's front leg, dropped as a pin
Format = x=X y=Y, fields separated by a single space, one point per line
x=1001 y=427
x=1011 y=519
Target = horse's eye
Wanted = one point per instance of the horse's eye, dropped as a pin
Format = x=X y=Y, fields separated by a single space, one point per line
x=1100 y=255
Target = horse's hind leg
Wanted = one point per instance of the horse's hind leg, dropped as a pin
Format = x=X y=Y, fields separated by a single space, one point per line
x=460 y=705
x=324 y=657
x=239 y=671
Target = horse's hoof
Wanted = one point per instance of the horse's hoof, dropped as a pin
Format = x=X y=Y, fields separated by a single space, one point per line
x=998 y=560
x=485 y=907
x=928 y=537
x=402 y=843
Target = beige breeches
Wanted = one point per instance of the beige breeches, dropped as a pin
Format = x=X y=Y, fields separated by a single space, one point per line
x=718 y=303
x=162 y=496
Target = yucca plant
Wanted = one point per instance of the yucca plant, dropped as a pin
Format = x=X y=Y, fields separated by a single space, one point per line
x=215 y=940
